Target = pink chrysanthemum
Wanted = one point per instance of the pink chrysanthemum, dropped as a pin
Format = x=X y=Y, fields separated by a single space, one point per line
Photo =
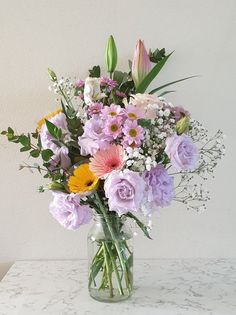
x=131 y=112
x=95 y=109
x=111 y=84
x=106 y=161
x=79 y=84
x=113 y=127
x=120 y=94
x=112 y=111
x=133 y=134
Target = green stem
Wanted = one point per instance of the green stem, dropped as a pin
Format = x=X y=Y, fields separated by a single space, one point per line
x=116 y=242
x=108 y=270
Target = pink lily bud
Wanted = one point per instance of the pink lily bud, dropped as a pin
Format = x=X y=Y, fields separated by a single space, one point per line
x=141 y=64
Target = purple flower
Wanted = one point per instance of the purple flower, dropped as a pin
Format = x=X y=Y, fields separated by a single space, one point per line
x=111 y=84
x=133 y=133
x=79 y=84
x=67 y=210
x=93 y=137
x=120 y=94
x=58 y=120
x=61 y=159
x=95 y=109
x=125 y=191
x=182 y=152
x=179 y=112
x=160 y=187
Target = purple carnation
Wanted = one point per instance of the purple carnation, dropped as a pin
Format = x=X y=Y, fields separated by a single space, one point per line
x=160 y=187
x=66 y=209
x=179 y=112
x=182 y=152
x=125 y=191
x=60 y=157
x=93 y=137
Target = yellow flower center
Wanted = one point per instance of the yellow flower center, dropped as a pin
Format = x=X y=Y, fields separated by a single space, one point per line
x=132 y=116
x=112 y=114
x=133 y=133
x=114 y=128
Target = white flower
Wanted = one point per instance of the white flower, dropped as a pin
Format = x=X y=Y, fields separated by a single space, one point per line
x=92 y=90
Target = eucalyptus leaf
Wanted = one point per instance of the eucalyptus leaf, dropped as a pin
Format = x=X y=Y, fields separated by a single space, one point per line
x=46 y=154
x=26 y=148
x=35 y=153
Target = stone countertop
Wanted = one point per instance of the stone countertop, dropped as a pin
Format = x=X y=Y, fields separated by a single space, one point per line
x=162 y=287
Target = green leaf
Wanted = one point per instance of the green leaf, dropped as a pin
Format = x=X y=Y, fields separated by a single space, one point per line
x=145 y=123
x=120 y=77
x=95 y=72
x=140 y=224
x=4 y=132
x=165 y=92
x=53 y=130
x=170 y=83
x=157 y=55
x=152 y=74
x=24 y=140
x=46 y=154
x=35 y=153
x=27 y=148
x=10 y=131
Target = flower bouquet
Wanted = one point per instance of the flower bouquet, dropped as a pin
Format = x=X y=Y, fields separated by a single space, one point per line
x=114 y=153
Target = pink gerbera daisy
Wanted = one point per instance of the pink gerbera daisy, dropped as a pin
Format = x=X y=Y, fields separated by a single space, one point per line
x=106 y=161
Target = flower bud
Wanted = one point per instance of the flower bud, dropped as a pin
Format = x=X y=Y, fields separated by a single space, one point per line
x=111 y=55
x=182 y=125
x=56 y=186
x=141 y=64
x=52 y=75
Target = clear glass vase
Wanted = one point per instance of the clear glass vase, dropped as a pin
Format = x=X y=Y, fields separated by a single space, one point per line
x=110 y=259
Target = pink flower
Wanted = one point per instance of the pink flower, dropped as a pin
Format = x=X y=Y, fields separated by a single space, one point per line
x=95 y=109
x=113 y=127
x=141 y=64
x=142 y=101
x=133 y=134
x=131 y=112
x=120 y=94
x=112 y=111
x=111 y=84
x=79 y=84
x=106 y=161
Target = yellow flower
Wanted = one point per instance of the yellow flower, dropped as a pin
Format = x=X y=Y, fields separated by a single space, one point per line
x=48 y=116
x=83 y=180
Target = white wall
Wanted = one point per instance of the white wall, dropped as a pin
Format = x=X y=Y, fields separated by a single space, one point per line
x=69 y=36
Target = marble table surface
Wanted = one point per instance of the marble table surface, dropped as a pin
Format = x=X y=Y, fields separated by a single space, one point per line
x=162 y=287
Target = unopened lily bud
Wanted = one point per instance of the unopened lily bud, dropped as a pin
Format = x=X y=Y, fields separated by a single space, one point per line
x=111 y=55
x=182 y=125
x=52 y=75
x=141 y=64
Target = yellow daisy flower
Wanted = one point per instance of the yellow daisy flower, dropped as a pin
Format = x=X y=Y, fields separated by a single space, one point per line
x=48 y=116
x=83 y=180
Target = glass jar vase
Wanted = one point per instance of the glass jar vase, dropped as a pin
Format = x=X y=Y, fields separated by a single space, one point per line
x=110 y=259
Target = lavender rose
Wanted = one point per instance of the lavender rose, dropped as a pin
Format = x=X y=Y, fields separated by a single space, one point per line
x=93 y=137
x=66 y=209
x=159 y=189
x=182 y=152
x=125 y=191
